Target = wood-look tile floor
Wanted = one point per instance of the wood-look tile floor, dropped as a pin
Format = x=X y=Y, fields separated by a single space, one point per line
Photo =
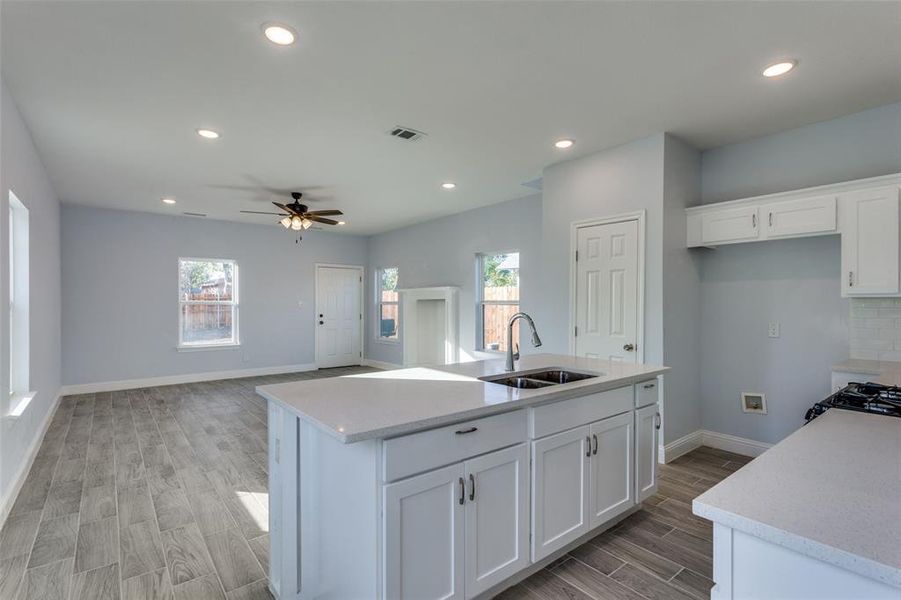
x=162 y=493
x=661 y=552
x=145 y=494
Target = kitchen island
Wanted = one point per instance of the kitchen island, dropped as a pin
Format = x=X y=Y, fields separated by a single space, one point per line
x=440 y=482
x=816 y=516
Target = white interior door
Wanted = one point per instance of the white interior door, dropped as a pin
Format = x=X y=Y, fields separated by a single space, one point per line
x=338 y=316
x=607 y=299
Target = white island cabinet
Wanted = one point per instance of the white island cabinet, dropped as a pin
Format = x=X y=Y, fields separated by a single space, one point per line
x=431 y=483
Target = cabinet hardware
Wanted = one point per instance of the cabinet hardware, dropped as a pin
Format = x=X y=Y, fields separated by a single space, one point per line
x=629 y=347
x=588 y=446
x=465 y=431
x=771 y=219
x=657 y=421
x=850 y=278
x=648 y=386
x=472 y=489
x=462 y=491
x=594 y=438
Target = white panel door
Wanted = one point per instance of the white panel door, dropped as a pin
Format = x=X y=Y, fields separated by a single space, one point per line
x=870 y=242
x=497 y=517
x=806 y=216
x=338 y=316
x=647 y=427
x=607 y=291
x=424 y=536
x=560 y=466
x=730 y=225
x=612 y=463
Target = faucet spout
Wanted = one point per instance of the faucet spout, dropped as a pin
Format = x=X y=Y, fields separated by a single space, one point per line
x=536 y=341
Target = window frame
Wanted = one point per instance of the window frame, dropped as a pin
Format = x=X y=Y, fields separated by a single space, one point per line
x=481 y=302
x=378 y=308
x=19 y=318
x=234 y=303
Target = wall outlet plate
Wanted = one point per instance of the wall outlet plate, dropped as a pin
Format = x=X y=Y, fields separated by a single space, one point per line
x=753 y=402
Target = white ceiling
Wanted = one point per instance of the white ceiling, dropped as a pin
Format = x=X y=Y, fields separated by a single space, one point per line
x=113 y=91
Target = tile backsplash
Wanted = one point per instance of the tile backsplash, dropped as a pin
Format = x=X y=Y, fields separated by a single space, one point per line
x=876 y=328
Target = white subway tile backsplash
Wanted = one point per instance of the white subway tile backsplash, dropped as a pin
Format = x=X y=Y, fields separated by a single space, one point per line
x=875 y=328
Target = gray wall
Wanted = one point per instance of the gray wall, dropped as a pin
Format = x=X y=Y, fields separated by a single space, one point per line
x=120 y=292
x=796 y=282
x=443 y=252
x=22 y=172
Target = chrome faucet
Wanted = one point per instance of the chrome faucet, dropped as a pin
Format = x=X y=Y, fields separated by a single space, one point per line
x=536 y=341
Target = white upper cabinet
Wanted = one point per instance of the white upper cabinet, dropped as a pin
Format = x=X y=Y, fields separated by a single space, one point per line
x=731 y=225
x=870 y=242
x=805 y=216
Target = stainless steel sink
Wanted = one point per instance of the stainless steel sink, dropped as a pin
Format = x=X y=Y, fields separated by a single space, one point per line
x=532 y=380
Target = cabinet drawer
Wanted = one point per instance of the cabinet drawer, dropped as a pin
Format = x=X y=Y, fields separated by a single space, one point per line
x=418 y=452
x=646 y=392
x=566 y=414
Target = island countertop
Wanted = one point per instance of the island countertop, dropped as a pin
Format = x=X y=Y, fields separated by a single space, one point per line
x=384 y=404
x=831 y=491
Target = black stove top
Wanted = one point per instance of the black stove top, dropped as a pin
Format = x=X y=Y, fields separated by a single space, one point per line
x=862 y=397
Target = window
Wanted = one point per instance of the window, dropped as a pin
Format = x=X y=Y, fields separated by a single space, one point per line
x=387 y=299
x=498 y=299
x=208 y=303
x=19 y=351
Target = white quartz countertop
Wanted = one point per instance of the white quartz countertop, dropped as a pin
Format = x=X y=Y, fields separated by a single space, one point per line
x=389 y=403
x=880 y=371
x=831 y=491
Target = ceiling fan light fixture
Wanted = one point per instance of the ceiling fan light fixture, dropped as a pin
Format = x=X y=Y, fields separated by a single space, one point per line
x=306 y=223
x=286 y=222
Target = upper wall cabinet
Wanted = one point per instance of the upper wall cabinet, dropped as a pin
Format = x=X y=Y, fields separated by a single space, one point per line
x=865 y=212
x=870 y=242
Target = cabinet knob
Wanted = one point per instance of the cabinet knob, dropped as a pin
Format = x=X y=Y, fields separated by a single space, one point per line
x=657 y=421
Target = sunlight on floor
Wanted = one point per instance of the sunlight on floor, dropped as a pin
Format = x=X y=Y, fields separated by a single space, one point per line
x=256 y=504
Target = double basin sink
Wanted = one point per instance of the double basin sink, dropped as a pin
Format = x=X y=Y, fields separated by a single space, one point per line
x=533 y=380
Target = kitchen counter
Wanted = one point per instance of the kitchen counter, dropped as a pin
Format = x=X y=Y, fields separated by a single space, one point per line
x=887 y=372
x=831 y=491
x=390 y=403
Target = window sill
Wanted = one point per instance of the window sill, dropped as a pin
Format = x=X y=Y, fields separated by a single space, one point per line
x=204 y=347
x=387 y=342
x=19 y=403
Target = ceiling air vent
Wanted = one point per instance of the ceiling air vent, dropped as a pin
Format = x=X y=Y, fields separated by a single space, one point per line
x=193 y=214
x=405 y=133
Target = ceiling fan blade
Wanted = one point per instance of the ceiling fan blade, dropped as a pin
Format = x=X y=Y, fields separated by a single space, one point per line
x=321 y=220
x=325 y=213
x=259 y=212
x=285 y=208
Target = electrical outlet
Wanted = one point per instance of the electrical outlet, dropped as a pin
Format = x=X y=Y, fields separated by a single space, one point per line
x=773 y=330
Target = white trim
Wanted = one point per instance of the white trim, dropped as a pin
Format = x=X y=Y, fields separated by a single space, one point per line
x=641 y=217
x=378 y=364
x=712 y=439
x=6 y=503
x=362 y=271
x=129 y=384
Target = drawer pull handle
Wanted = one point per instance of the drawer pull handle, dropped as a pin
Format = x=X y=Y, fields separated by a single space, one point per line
x=465 y=431
x=462 y=491
x=472 y=491
x=648 y=386
x=588 y=446
x=657 y=421
x=594 y=438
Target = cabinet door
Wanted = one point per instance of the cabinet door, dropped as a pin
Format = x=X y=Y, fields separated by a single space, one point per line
x=870 y=242
x=424 y=535
x=730 y=225
x=647 y=426
x=560 y=466
x=800 y=217
x=497 y=517
x=612 y=465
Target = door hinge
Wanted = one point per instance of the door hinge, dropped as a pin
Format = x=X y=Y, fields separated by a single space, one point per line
x=577 y=256
x=576 y=331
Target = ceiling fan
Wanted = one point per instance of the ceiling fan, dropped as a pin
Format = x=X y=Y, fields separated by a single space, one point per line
x=296 y=216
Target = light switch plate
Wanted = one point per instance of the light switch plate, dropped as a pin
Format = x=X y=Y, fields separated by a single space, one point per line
x=773 y=329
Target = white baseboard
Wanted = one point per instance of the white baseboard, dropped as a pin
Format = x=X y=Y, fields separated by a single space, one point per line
x=6 y=502
x=130 y=384
x=368 y=362
x=712 y=439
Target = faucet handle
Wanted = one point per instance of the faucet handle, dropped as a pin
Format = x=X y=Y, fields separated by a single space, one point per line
x=516 y=352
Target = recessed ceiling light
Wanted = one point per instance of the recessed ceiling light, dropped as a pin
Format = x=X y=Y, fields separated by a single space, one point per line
x=563 y=144
x=780 y=68
x=208 y=134
x=168 y=200
x=281 y=35
x=448 y=185
x=341 y=223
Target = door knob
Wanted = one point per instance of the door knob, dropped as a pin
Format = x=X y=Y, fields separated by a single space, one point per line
x=629 y=347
